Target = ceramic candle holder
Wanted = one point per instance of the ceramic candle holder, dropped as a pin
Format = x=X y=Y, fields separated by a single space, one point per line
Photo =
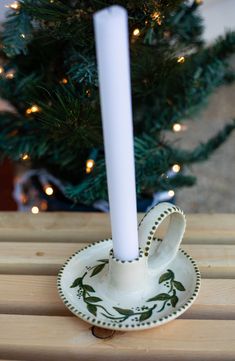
x=148 y=291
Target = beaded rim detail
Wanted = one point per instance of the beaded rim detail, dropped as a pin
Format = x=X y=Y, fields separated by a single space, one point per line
x=131 y=326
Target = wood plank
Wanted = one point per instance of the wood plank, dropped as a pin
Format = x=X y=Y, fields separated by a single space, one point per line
x=37 y=295
x=89 y=227
x=68 y=338
x=216 y=300
x=214 y=261
x=53 y=227
x=47 y=258
x=32 y=295
x=35 y=258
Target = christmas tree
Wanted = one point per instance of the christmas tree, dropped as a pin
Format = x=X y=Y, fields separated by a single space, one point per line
x=49 y=74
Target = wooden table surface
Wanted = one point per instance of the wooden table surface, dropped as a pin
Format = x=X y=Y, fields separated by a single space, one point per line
x=35 y=325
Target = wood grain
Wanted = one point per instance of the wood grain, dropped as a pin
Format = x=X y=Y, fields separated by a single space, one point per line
x=36 y=326
x=46 y=258
x=68 y=338
x=89 y=227
x=37 y=295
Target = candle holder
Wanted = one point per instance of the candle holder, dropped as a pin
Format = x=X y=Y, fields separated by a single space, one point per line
x=151 y=290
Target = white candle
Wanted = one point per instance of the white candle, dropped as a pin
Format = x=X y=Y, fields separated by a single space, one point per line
x=112 y=49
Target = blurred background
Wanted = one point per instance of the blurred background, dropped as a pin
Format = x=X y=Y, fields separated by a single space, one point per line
x=214 y=190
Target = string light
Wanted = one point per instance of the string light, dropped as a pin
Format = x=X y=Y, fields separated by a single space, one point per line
x=1 y=69
x=136 y=32
x=33 y=109
x=14 y=6
x=49 y=190
x=22 y=36
x=89 y=165
x=180 y=59
x=176 y=168
x=177 y=127
x=64 y=81
x=156 y=16
x=25 y=156
x=35 y=210
x=171 y=193
x=199 y=2
x=88 y=92
x=10 y=74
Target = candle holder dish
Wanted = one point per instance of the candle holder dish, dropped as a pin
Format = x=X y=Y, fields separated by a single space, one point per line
x=151 y=290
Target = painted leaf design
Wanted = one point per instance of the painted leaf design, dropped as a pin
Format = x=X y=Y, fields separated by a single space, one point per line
x=93 y=299
x=166 y=276
x=145 y=315
x=124 y=311
x=160 y=297
x=179 y=286
x=92 y=309
x=97 y=269
x=76 y=282
x=174 y=300
x=103 y=260
x=88 y=288
x=172 y=273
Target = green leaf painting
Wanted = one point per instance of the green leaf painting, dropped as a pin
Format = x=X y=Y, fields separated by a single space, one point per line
x=95 y=303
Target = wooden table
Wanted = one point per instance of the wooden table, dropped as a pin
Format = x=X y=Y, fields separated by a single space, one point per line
x=35 y=325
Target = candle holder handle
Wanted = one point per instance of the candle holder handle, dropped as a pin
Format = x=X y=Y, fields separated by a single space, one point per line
x=160 y=254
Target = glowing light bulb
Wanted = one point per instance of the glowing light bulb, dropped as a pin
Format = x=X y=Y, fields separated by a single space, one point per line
x=176 y=168
x=14 y=6
x=64 y=81
x=1 y=70
x=35 y=108
x=35 y=210
x=49 y=190
x=10 y=75
x=181 y=59
x=157 y=17
x=89 y=165
x=25 y=156
x=198 y=2
x=171 y=193
x=177 y=127
x=136 y=32
x=22 y=36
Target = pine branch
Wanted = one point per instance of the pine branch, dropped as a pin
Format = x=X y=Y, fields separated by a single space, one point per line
x=59 y=43
x=68 y=115
x=204 y=150
x=83 y=69
x=152 y=163
x=17 y=33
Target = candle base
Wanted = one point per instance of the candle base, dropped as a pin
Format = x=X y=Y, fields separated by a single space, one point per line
x=153 y=289
x=122 y=295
